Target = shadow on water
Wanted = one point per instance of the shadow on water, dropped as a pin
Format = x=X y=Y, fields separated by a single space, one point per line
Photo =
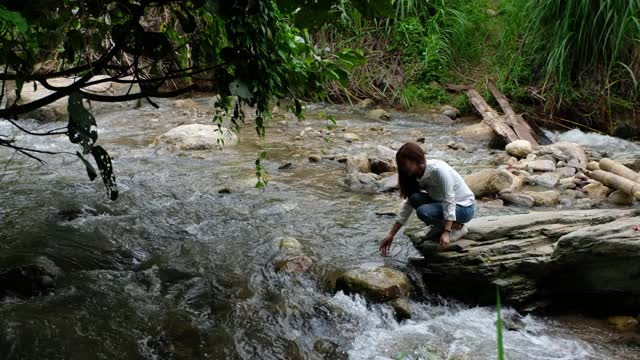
x=176 y=270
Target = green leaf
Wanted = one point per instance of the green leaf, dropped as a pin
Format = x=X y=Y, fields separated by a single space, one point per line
x=103 y=160
x=13 y=18
x=82 y=125
x=499 y=325
x=91 y=172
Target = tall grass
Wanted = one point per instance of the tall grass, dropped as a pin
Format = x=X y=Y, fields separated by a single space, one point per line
x=499 y=325
x=583 y=53
x=406 y=54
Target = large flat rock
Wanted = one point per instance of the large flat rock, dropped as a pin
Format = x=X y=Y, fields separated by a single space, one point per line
x=538 y=256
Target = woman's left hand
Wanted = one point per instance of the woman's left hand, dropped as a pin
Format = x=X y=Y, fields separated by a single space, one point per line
x=444 y=240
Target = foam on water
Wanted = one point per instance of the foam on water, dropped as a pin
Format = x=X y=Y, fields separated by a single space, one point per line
x=452 y=332
x=594 y=140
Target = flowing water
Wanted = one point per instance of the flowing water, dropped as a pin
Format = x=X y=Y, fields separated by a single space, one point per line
x=176 y=270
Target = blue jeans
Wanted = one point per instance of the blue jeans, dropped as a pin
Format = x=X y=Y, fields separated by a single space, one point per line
x=430 y=211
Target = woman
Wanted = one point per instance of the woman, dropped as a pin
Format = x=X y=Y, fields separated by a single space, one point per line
x=447 y=204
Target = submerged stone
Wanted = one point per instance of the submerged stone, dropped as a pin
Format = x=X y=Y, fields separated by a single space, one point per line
x=377 y=283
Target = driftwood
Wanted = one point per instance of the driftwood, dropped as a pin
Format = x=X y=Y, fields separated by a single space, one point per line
x=617 y=182
x=510 y=126
x=619 y=169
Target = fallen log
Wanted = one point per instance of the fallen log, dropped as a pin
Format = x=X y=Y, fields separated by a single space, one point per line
x=516 y=123
x=510 y=126
x=617 y=182
x=615 y=167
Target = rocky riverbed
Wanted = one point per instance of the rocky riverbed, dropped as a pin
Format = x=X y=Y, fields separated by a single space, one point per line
x=193 y=262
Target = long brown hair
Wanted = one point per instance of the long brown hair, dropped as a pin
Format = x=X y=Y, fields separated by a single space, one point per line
x=408 y=152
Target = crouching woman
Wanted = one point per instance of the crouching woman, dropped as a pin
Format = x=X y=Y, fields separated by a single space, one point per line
x=436 y=192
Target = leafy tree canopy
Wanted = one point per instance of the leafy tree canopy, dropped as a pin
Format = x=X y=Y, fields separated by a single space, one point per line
x=247 y=51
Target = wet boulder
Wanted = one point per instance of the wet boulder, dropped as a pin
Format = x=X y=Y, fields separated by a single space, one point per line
x=290 y=244
x=621 y=198
x=363 y=182
x=623 y=323
x=29 y=277
x=490 y=182
x=517 y=198
x=293 y=264
x=571 y=154
x=546 y=180
x=365 y=104
x=519 y=148
x=378 y=114
x=576 y=256
x=380 y=166
x=450 y=112
x=596 y=191
x=545 y=198
x=358 y=163
x=197 y=137
x=541 y=165
x=478 y=132
x=377 y=283
x=402 y=308
x=389 y=184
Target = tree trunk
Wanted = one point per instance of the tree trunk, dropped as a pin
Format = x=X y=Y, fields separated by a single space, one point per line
x=619 y=169
x=510 y=126
x=617 y=182
x=516 y=122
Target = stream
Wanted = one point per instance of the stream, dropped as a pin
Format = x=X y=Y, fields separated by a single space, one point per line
x=174 y=269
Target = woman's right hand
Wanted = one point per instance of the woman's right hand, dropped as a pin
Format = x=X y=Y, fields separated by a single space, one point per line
x=386 y=244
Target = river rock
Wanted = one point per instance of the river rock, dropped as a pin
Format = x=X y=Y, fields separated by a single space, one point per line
x=362 y=182
x=314 y=158
x=402 y=308
x=621 y=198
x=377 y=283
x=572 y=154
x=388 y=184
x=197 y=137
x=365 y=104
x=547 y=179
x=310 y=132
x=478 y=132
x=358 y=163
x=379 y=166
x=293 y=264
x=519 y=148
x=596 y=191
x=290 y=244
x=450 y=112
x=593 y=166
x=541 y=165
x=30 y=277
x=517 y=198
x=57 y=111
x=378 y=114
x=350 y=137
x=567 y=183
x=623 y=323
x=566 y=172
x=600 y=261
x=503 y=159
x=489 y=182
x=597 y=255
x=545 y=198
x=186 y=103
x=386 y=153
